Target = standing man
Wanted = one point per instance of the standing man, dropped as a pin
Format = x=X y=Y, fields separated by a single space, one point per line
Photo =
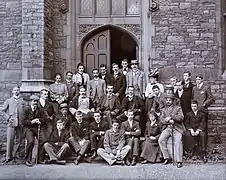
x=172 y=119
x=173 y=81
x=80 y=137
x=195 y=124
x=34 y=117
x=109 y=105
x=104 y=74
x=97 y=131
x=114 y=151
x=81 y=78
x=132 y=132
x=136 y=78
x=96 y=88
x=71 y=86
x=12 y=109
x=47 y=106
x=118 y=81
x=125 y=69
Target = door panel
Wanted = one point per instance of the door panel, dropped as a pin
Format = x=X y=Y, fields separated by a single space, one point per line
x=96 y=51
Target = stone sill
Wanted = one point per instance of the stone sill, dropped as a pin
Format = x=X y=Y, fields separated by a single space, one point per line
x=217 y=108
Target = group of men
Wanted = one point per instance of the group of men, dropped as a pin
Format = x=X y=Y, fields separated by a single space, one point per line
x=106 y=116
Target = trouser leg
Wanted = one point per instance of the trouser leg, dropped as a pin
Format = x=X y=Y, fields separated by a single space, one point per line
x=102 y=153
x=135 y=147
x=18 y=134
x=49 y=130
x=85 y=147
x=64 y=150
x=100 y=142
x=163 y=142
x=30 y=137
x=178 y=146
x=203 y=141
x=189 y=141
x=93 y=141
x=10 y=142
x=74 y=143
x=108 y=118
x=42 y=140
x=50 y=151
x=122 y=117
x=130 y=143
x=125 y=150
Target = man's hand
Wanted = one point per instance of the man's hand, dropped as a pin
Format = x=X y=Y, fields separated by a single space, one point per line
x=127 y=133
x=117 y=94
x=93 y=110
x=81 y=142
x=112 y=156
x=192 y=132
x=56 y=143
x=102 y=133
x=113 y=113
x=196 y=132
x=171 y=121
x=125 y=112
x=150 y=95
x=35 y=121
x=152 y=138
x=72 y=110
x=168 y=119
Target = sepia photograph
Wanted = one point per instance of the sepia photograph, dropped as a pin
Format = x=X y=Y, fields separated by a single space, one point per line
x=112 y=89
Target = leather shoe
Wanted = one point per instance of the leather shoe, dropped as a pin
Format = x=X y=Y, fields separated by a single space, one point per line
x=167 y=161
x=94 y=155
x=28 y=164
x=128 y=162
x=133 y=163
x=144 y=161
x=76 y=162
x=61 y=162
x=120 y=163
x=7 y=160
x=205 y=160
x=179 y=165
x=87 y=159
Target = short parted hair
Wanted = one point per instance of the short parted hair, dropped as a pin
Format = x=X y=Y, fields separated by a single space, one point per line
x=44 y=90
x=99 y=112
x=125 y=60
x=130 y=87
x=173 y=77
x=179 y=80
x=188 y=72
x=95 y=69
x=78 y=113
x=115 y=121
x=153 y=113
x=155 y=87
x=130 y=110
x=69 y=72
x=103 y=65
x=194 y=102
x=60 y=121
x=110 y=84
x=114 y=64
x=58 y=74
x=80 y=64
x=199 y=76
x=81 y=87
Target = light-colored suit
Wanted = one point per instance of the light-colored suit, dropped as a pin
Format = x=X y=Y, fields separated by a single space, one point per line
x=96 y=89
x=12 y=110
x=137 y=80
x=77 y=78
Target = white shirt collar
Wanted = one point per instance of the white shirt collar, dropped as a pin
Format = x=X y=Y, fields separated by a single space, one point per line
x=200 y=85
x=42 y=102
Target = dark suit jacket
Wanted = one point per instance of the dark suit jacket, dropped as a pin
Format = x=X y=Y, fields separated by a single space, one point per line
x=29 y=116
x=107 y=78
x=203 y=95
x=74 y=103
x=154 y=130
x=80 y=131
x=134 y=130
x=67 y=120
x=63 y=138
x=195 y=122
x=114 y=105
x=119 y=84
x=49 y=109
x=137 y=104
x=94 y=129
x=72 y=90
x=185 y=99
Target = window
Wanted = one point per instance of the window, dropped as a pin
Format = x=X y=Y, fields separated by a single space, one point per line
x=109 y=8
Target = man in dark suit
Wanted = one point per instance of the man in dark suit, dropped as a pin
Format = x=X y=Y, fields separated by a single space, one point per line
x=131 y=101
x=80 y=137
x=65 y=116
x=97 y=131
x=72 y=87
x=109 y=105
x=104 y=74
x=47 y=106
x=115 y=150
x=125 y=69
x=195 y=124
x=159 y=101
x=34 y=117
x=119 y=82
x=172 y=119
x=132 y=131
x=58 y=145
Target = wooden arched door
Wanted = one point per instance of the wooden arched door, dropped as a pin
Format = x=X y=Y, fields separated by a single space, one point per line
x=96 y=51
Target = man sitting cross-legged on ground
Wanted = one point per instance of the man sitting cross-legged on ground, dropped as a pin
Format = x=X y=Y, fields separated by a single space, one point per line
x=114 y=150
x=58 y=145
x=195 y=124
x=97 y=131
x=80 y=137
x=132 y=131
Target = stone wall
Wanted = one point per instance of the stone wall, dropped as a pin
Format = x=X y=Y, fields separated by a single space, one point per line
x=186 y=37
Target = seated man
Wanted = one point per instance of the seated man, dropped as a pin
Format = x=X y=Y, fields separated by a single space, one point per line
x=97 y=131
x=131 y=101
x=195 y=124
x=109 y=105
x=132 y=131
x=82 y=103
x=159 y=100
x=58 y=146
x=172 y=119
x=80 y=137
x=114 y=150
x=64 y=115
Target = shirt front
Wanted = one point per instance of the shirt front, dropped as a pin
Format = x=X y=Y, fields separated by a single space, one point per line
x=42 y=102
